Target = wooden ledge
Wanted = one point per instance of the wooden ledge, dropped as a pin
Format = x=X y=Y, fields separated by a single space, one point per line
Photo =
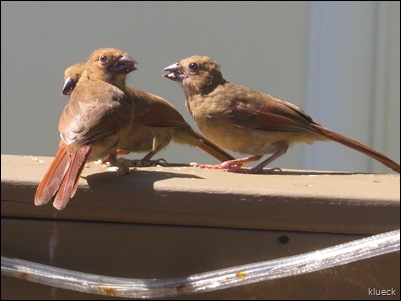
x=293 y=200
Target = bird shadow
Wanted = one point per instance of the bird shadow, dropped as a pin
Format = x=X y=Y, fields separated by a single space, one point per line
x=136 y=178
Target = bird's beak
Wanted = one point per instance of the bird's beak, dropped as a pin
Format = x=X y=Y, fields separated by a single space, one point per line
x=173 y=72
x=125 y=64
x=69 y=85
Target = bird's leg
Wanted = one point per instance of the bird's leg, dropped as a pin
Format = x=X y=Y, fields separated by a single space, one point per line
x=231 y=164
x=123 y=168
x=146 y=161
x=282 y=148
x=153 y=162
x=259 y=168
x=110 y=158
x=234 y=165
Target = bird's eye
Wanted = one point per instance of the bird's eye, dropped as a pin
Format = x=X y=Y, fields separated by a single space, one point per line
x=193 y=66
x=103 y=58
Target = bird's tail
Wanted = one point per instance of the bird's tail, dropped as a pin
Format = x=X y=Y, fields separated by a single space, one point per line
x=62 y=177
x=206 y=145
x=358 y=147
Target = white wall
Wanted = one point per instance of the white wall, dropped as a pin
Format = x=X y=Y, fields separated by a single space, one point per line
x=320 y=56
x=353 y=80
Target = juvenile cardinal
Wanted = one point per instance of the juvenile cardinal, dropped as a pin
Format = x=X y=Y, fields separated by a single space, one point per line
x=246 y=121
x=91 y=125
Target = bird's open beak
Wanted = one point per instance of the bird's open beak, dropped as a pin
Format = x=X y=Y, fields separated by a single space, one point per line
x=69 y=85
x=125 y=64
x=173 y=72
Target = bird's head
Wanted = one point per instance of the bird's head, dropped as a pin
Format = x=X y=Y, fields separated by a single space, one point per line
x=195 y=73
x=71 y=76
x=110 y=65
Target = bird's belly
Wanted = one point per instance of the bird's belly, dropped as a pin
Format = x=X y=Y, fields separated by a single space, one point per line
x=241 y=140
x=252 y=141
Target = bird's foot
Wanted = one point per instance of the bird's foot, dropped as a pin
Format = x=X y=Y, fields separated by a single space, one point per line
x=122 y=171
x=237 y=168
x=224 y=165
x=254 y=170
x=141 y=162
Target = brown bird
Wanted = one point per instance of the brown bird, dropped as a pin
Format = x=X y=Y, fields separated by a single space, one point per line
x=71 y=76
x=246 y=121
x=156 y=123
x=91 y=125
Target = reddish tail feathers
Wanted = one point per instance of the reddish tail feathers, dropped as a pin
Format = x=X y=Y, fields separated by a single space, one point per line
x=62 y=177
x=358 y=147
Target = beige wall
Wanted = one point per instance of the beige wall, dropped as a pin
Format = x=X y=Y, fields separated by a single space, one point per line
x=320 y=56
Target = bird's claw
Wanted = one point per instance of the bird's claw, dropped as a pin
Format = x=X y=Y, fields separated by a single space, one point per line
x=141 y=162
x=122 y=171
x=223 y=165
